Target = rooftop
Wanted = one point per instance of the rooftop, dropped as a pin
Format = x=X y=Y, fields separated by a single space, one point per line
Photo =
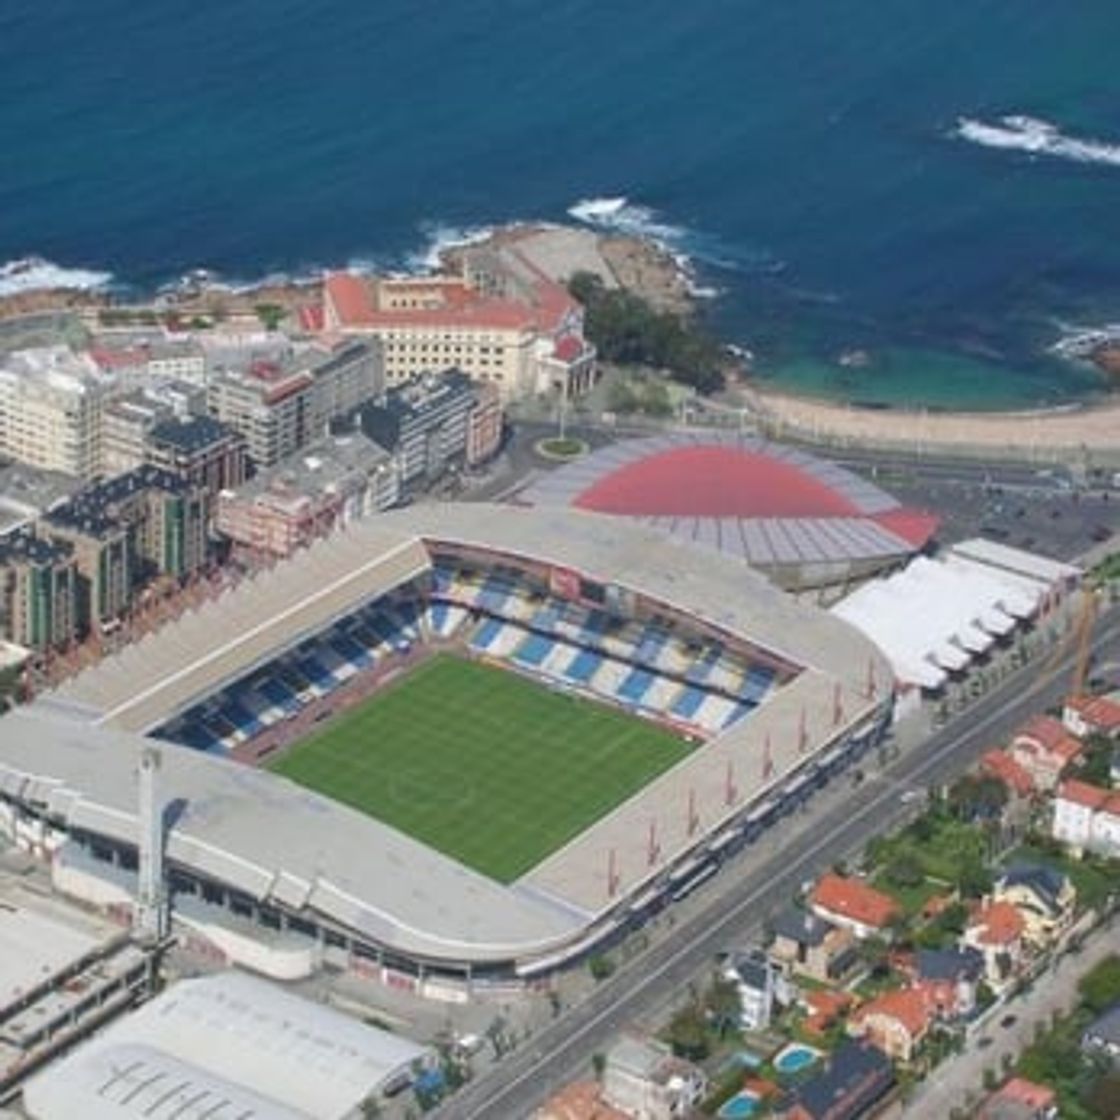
x=234 y=1035
x=855 y=1076
x=189 y=434
x=1100 y=712
x=1090 y=797
x=997 y=923
x=999 y=764
x=1106 y=1027
x=92 y=509
x=802 y=926
x=854 y=899
x=908 y=1006
x=1050 y=734
x=765 y=503
x=1018 y=1099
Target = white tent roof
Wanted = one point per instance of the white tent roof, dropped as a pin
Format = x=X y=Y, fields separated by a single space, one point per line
x=937 y=614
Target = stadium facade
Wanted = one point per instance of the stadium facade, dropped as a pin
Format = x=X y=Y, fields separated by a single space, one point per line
x=777 y=697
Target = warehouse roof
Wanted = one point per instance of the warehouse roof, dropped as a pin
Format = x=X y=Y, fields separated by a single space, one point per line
x=235 y=1036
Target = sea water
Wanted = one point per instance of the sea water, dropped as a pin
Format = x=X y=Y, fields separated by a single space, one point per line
x=904 y=203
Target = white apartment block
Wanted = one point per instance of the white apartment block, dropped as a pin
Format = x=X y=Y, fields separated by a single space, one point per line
x=51 y=401
x=1087 y=819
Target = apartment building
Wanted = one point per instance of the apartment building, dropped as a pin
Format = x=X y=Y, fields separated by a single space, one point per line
x=431 y=424
x=51 y=401
x=199 y=450
x=323 y=488
x=38 y=591
x=280 y=405
x=501 y=321
x=124 y=532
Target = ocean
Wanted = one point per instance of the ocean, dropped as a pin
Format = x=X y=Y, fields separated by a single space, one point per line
x=931 y=185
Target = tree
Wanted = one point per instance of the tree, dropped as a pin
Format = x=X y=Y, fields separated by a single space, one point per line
x=1099 y=988
x=600 y=966
x=270 y=314
x=723 y=1004
x=688 y=1034
x=977 y=797
x=598 y=1064
x=905 y=871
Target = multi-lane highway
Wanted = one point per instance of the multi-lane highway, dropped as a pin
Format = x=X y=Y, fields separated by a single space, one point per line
x=563 y=1049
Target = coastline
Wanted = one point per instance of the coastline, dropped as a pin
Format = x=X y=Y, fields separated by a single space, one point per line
x=1089 y=428
x=648 y=269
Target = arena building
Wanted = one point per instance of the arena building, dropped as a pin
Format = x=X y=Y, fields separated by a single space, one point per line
x=805 y=522
x=749 y=700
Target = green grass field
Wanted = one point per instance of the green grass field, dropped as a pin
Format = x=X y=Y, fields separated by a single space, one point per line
x=492 y=769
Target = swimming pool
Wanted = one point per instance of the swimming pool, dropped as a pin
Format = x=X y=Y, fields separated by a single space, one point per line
x=740 y=1106
x=795 y=1057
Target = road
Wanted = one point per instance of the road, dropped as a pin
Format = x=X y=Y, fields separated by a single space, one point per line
x=564 y=1049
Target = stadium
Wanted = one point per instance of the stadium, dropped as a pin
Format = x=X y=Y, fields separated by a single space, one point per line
x=803 y=521
x=448 y=746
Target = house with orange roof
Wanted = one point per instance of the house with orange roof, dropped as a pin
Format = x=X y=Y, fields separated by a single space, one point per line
x=1087 y=818
x=1014 y=776
x=580 y=1100
x=1092 y=715
x=852 y=904
x=1020 y=1099
x=1044 y=896
x=997 y=931
x=1044 y=748
x=500 y=319
x=824 y=1009
x=896 y=1022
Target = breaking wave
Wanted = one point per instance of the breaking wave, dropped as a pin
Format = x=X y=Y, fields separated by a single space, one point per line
x=1038 y=137
x=36 y=274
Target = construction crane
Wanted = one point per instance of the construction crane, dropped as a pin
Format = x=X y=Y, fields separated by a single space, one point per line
x=1083 y=633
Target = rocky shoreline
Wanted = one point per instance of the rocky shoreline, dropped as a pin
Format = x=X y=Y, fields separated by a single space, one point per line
x=629 y=262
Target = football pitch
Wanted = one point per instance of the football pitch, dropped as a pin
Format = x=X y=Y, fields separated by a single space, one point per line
x=489 y=768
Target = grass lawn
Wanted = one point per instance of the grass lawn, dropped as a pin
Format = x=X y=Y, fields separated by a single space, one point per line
x=492 y=769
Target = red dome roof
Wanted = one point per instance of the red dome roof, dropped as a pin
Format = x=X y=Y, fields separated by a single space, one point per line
x=712 y=480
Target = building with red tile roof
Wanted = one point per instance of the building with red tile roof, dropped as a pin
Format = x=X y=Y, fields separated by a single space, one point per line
x=1087 y=818
x=895 y=1022
x=853 y=904
x=581 y=1100
x=502 y=320
x=1044 y=748
x=1020 y=1099
x=999 y=764
x=1092 y=715
x=998 y=931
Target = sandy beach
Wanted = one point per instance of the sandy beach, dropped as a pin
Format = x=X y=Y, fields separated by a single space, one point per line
x=1093 y=429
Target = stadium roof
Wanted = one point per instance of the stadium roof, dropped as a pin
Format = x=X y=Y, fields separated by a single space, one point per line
x=72 y=752
x=765 y=503
x=151 y=680
x=233 y=1037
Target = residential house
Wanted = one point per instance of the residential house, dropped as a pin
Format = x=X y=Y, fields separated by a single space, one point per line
x=1044 y=748
x=997 y=931
x=1044 y=897
x=1015 y=777
x=760 y=984
x=1102 y=1036
x=896 y=1022
x=1020 y=1099
x=1092 y=715
x=643 y=1079
x=1087 y=818
x=823 y=1008
x=851 y=903
x=581 y=1100
x=949 y=977
x=806 y=945
x=854 y=1078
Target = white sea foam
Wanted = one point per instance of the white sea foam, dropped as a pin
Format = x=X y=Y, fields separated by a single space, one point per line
x=1079 y=342
x=35 y=274
x=439 y=238
x=1038 y=137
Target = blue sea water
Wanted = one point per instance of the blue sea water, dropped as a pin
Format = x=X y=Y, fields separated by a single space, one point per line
x=804 y=153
